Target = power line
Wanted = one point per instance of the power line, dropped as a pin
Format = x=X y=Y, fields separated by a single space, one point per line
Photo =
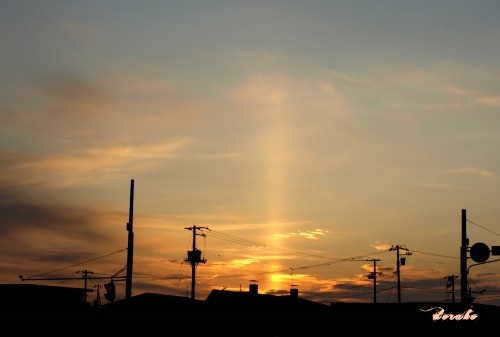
x=438 y=255
x=80 y=263
x=255 y=244
x=486 y=229
x=429 y=290
x=350 y=259
x=245 y=242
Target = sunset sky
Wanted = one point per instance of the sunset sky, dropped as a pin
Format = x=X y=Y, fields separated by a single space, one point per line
x=307 y=138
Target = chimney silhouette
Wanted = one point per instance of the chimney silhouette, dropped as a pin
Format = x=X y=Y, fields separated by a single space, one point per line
x=253 y=287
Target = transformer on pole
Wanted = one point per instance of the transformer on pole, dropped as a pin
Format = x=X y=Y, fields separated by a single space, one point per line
x=373 y=275
x=194 y=257
x=399 y=262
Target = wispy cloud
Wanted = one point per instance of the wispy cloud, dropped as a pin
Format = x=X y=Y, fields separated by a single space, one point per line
x=222 y=155
x=78 y=165
x=310 y=234
x=351 y=78
x=71 y=96
x=476 y=171
x=458 y=91
x=382 y=246
x=489 y=100
x=443 y=106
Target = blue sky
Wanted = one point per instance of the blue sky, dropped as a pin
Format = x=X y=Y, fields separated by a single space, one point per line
x=309 y=137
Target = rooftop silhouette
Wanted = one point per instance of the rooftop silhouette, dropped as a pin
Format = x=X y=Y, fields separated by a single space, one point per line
x=230 y=313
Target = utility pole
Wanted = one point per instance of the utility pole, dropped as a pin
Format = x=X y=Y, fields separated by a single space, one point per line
x=399 y=262
x=450 y=283
x=130 y=249
x=463 y=260
x=373 y=275
x=194 y=257
x=85 y=278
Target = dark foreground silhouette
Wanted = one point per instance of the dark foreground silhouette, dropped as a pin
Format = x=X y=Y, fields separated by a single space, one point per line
x=60 y=311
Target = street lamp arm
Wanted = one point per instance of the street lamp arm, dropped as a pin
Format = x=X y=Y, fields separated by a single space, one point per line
x=477 y=264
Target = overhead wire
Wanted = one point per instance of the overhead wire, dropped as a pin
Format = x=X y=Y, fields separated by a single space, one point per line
x=486 y=229
x=258 y=245
x=78 y=264
x=255 y=244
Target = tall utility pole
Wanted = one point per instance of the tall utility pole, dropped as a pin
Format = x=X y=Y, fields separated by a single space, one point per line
x=194 y=257
x=130 y=249
x=463 y=260
x=399 y=262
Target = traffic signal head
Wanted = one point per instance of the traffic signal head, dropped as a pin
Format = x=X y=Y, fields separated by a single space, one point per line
x=110 y=291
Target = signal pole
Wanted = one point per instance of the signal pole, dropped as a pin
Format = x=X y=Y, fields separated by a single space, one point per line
x=464 y=298
x=194 y=257
x=399 y=262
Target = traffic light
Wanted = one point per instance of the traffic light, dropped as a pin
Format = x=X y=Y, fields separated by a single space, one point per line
x=110 y=294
